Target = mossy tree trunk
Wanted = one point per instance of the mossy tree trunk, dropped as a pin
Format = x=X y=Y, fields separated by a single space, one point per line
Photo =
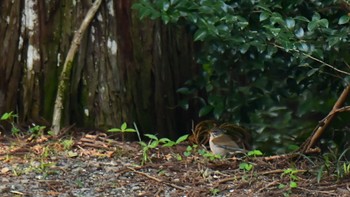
x=125 y=69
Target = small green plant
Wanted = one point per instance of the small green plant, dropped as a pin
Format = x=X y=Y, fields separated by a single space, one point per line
x=214 y=191
x=211 y=156
x=254 y=153
x=189 y=150
x=37 y=130
x=169 y=143
x=246 y=166
x=292 y=180
x=346 y=169
x=154 y=142
x=123 y=129
x=10 y=118
x=146 y=147
x=67 y=143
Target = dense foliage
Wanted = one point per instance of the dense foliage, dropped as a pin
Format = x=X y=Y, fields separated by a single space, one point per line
x=276 y=66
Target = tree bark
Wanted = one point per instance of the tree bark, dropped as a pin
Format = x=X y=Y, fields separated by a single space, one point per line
x=125 y=70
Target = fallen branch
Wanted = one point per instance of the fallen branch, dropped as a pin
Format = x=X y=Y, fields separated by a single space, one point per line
x=156 y=179
x=67 y=67
x=320 y=128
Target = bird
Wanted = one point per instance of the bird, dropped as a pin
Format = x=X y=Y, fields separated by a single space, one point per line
x=223 y=144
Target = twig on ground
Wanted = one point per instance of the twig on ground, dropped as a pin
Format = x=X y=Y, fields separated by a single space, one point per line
x=156 y=179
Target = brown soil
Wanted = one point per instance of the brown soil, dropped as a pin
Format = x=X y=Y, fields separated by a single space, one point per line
x=96 y=165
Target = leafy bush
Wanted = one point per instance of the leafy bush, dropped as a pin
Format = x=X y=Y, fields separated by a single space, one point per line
x=277 y=66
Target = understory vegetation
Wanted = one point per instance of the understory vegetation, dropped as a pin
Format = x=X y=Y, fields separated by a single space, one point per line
x=276 y=67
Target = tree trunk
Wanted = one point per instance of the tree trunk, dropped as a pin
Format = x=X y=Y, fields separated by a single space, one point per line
x=126 y=70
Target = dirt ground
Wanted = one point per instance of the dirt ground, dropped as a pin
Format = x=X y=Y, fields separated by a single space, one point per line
x=96 y=165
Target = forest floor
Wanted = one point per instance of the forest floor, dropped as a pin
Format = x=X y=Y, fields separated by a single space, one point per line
x=96 y=165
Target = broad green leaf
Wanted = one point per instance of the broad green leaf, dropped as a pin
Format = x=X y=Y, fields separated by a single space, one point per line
x=303 y=47
x=123 y=127
x=324 y=23
x=263 y=16
x=299 y=33
x=184 y=104
x=114 y=130
x=143 y=144
x=255 y=153
x=129 y=130
x=293 y=184
x=183 y=90
x=200 y=35
x=205 y=110
x=343 y=20
x=164 y=140
x=151 y=136
x=302 y=18
x=6 y=116
x=244 y=48
x=154 y=144
x=275 y=31
x=165 y=18
x=290 y=22
x=312 y=25
x=181 y=139
x=169 y=144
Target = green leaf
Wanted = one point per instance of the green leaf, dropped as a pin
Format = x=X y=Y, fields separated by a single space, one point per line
x=114 y=130
x=129 y=130
x=255 y=153
x=143 y=144
x=6 y=116
x=324 y=23
x=164 y=140
x=299 y=33
x=263 y=16
x=181 y=139
x=301 y=18
x=293 y=184
x=184 y=104
x=183 y=90
x=312 y=72
x=169 y=144
x=187 y=153
x=165 y=18
x=244 y=48
x=312 y=25
x=343 y=20
x=123 y=127
x=281 y=186
x=200 y=35
x=290 y=22
x=151 y=136
x=320 y=174
x=154 y=144
x=275 y=31
x=205 y=110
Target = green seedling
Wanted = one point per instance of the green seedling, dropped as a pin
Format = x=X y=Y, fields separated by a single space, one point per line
x=211 y=156
x=123 y=129
x=67 y=144
x=292 y=180
x=214 y=191
x=146 y=147
x=246 y=166
x=254 y=153
x=10 y=118
x=154 y=142
x=188 y=151
x=36 y=130
x=169 y=143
